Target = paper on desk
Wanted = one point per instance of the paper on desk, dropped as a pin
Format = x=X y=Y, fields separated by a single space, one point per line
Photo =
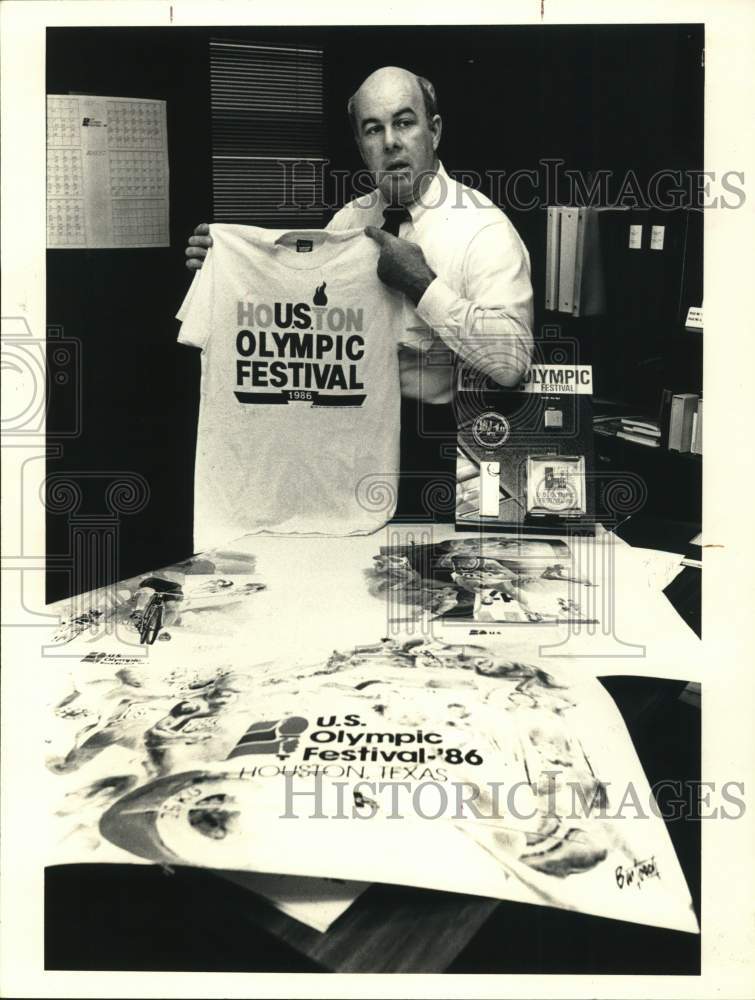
x=206 y=595
x=124 y=722
x=100 y=745
x=126 y=714
x=314 y=902
x=413 y=714
x=482 y=580
x=655 y=567
x=600 y=603
x=533 y=567
x=323 y=594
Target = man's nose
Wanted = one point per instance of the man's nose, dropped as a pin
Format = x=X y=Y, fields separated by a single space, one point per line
x=392 y=138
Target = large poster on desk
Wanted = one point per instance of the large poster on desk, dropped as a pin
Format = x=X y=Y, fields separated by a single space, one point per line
x=414 y=762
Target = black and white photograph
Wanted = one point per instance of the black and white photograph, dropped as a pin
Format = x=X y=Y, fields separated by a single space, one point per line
x=370 y=604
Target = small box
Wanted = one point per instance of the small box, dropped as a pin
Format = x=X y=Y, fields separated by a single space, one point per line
x=556 y=485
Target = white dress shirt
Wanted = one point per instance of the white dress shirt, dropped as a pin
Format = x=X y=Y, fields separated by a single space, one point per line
x=480 y=303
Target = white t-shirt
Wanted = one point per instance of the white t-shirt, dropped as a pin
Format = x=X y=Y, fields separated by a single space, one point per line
x=300 y=403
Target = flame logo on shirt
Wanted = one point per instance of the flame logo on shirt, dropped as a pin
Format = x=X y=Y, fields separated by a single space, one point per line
x=320 y=298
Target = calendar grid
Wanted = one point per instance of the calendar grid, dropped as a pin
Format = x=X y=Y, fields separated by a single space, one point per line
x=63 y=122
x=107 y=172
x=134 y=125
x=141 y=220
x=65 y=222
x=136 y=174
x=64 y=173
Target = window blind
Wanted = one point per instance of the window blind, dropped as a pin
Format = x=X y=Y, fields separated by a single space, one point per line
x=268 y=134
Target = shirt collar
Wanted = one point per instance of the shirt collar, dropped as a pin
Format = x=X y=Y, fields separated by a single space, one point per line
x=434 y=193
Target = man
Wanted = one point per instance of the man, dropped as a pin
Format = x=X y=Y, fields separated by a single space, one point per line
x=454 y=255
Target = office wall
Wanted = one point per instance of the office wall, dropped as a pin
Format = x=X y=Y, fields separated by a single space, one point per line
x=595 y=97
x=139 y=389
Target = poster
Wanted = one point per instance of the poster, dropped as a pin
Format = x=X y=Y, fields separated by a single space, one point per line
x=490 y=580
x=204 y=766
x=201 y=595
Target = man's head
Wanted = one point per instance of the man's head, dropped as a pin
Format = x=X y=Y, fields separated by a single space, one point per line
x=395 y=119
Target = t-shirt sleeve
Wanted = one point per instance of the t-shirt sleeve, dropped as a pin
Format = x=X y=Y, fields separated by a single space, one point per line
x=195 y=313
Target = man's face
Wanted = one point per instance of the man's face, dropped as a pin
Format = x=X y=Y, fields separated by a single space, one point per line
x=395 y=138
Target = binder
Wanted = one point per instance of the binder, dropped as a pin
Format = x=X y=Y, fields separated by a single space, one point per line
x=574 y=280
x=569 y=218
x=579 y=259
x=697 y=436
x=683 y=407
x=552 y=249
x=664 y=416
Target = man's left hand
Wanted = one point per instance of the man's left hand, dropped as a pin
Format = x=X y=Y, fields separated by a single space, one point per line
x=401 y=264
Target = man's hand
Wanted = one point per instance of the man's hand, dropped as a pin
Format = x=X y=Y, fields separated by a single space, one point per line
x=401 y=264
x=198 y=246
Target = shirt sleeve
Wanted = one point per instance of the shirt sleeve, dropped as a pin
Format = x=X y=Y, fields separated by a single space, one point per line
x=195 y=313
x=489 y=326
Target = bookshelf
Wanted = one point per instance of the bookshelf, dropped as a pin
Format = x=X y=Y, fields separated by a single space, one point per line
x=673 y=479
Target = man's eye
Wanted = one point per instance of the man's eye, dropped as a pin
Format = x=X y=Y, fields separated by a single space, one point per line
x=372 y=130
x=405 y=122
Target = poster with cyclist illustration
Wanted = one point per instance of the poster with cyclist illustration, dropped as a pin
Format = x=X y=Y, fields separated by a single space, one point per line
x=206 y=594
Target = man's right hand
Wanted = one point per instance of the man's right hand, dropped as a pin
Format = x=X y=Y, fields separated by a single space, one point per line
x=198 y=246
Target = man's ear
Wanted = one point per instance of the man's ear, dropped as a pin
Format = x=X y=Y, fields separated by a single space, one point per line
x=436 y=127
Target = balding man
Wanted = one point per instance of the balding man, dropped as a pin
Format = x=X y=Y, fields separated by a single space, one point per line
x=454 y=255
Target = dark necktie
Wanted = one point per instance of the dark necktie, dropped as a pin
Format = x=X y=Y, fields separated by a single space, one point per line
x=393 y=218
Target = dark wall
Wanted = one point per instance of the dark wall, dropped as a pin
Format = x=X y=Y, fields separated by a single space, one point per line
x=599 y=98
x=139 y=389
x=595 y=97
